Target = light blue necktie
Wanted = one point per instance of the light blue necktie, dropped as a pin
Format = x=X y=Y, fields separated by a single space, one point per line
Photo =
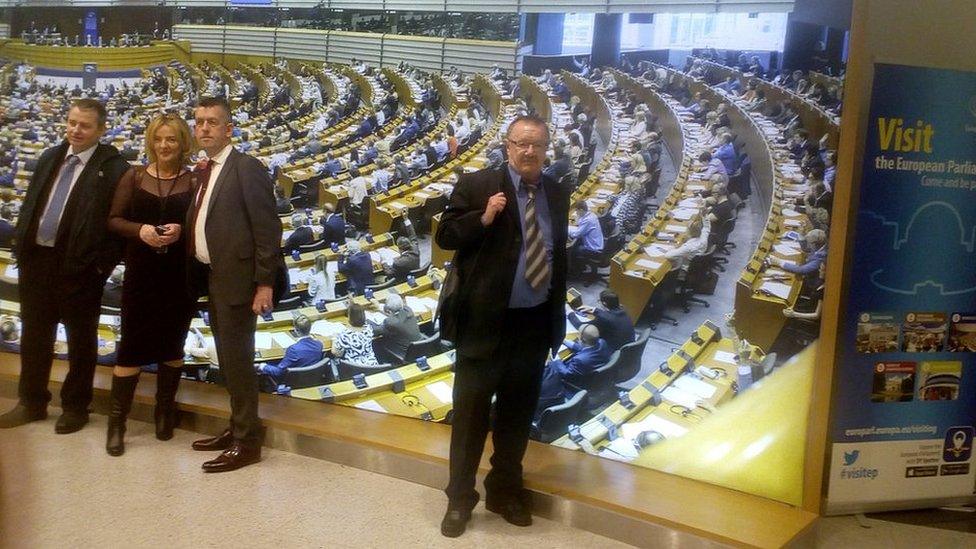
x=47 y=231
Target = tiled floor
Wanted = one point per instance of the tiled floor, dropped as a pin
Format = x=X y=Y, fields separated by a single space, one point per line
x=871 y=533
x=64 y=491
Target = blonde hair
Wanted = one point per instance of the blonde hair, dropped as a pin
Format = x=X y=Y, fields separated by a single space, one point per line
x=183 y=136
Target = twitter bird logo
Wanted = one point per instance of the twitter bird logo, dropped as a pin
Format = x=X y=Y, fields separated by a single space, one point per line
x=851 y=457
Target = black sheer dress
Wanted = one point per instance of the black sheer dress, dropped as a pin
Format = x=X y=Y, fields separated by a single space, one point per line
x=156 y=305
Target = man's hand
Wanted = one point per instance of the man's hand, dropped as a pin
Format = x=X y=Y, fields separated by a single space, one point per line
x=496 y=203
x=262 y=300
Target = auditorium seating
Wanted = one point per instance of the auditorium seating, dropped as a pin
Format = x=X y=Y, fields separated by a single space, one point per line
x=762 y=291
x=667 y=400
x=554 y=420
x=419 y=384
x=638 y=269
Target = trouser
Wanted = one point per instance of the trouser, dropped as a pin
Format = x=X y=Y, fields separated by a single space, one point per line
x=233 y=328
x=513 y=376
x=47 y=298
x=586 y=260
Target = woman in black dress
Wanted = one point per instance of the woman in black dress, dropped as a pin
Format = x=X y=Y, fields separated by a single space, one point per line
x=148 y=210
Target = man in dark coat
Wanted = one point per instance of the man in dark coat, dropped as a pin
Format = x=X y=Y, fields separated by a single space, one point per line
x=65 y=251
x=509 y=229
x=237 y=259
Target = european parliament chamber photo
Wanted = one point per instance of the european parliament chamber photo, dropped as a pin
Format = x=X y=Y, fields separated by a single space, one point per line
x=671 y=273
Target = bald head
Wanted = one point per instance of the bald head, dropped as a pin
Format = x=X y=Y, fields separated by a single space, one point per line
x=589 y=335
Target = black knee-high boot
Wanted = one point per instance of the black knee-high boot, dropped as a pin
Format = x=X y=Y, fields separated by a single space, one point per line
x=166 y=414
x=123 y=389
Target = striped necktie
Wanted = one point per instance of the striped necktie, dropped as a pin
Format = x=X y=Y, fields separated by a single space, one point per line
x=47 y=230
x=536 y=265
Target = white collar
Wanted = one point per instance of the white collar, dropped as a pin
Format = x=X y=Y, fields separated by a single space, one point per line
x=84 y=156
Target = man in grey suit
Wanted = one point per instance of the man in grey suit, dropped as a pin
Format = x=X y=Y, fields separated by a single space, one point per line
x=399 y=329
x=234 y=238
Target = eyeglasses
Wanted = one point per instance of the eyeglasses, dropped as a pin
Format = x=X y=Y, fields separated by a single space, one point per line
x=526 y=145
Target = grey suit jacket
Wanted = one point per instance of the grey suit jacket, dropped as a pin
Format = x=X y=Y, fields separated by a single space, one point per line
x=243 y=231
x=399 y=331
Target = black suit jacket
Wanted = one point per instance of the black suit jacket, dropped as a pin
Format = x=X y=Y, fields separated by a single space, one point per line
x=486 y=259
x=6 y=233
x=87 y=245
x=301 y=237
x=243 y=231
x=334 y=229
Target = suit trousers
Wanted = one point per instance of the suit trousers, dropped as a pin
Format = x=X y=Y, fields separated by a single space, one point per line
x=233 y=328
x=46 y=298
x=513 y=375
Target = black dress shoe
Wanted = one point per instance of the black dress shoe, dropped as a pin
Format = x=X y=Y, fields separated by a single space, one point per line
x=70 y=422
x=222 y=441
x=514 y=511
x=235 y=457
x=21 y=415
x=455 y=521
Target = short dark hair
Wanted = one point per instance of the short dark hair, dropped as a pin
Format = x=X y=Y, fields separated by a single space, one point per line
x=87 y=104
x=610 y=299
x=705 y=156
x=357 y=314
x=581 y=206
x=533 y=119
x=215 y=102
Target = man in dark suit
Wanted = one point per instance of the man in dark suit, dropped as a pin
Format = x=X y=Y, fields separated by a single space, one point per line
x=357 y=265
x=301 y=234
x=399 y=329
x=304 y=352
x=7 y=229
x=430 y=153
x=615 y=326
x=236 y=255
x=509 y=230
x=560 y=166
x=66 y=252
x=333 y=226
x=588 y=354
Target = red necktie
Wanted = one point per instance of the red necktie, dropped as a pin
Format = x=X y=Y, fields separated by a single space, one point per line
x=202 y=172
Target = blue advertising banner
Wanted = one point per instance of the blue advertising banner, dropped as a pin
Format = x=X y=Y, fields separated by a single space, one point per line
x=904 y=402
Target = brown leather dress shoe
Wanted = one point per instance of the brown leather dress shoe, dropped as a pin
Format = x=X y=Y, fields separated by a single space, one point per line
x=235 y=457
x=222 y=441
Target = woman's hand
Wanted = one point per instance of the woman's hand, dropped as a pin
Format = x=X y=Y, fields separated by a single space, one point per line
x=172 y=233
x=147 y=233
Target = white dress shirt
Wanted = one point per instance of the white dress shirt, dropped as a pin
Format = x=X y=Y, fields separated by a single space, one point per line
x=83 y=158
x=199 y=230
